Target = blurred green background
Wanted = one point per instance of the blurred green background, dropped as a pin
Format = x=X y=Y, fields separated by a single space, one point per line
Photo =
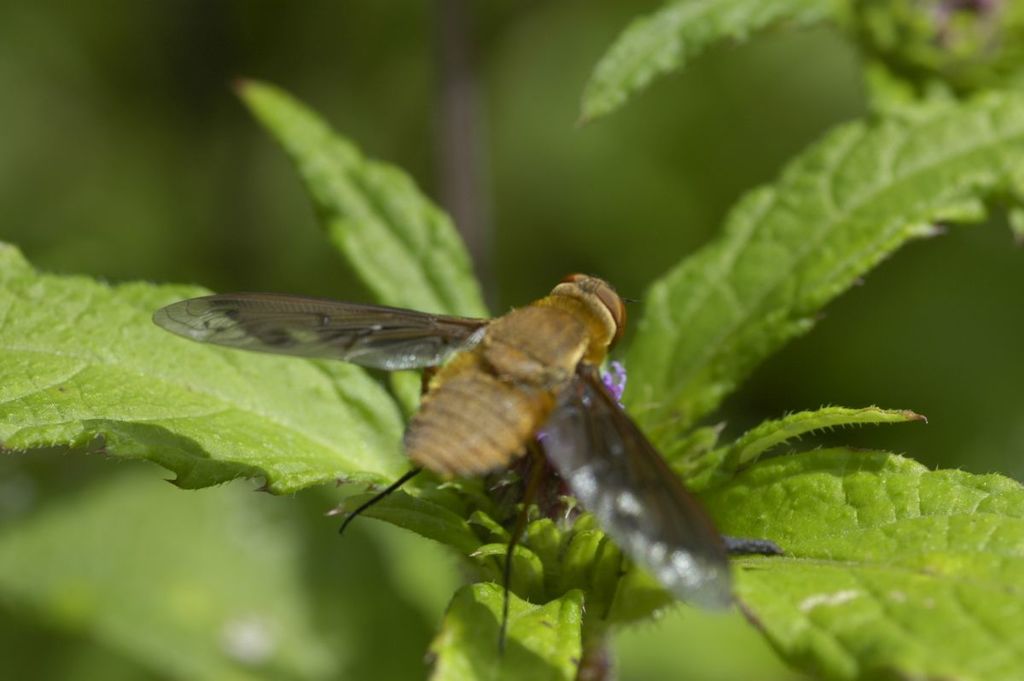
x=124 y=155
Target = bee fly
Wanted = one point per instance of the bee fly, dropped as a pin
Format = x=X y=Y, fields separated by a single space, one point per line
x=496 y=385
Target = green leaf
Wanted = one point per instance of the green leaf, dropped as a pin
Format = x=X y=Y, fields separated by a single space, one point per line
x=224 y=584
x=770 y=434
x=545 y=540
x=82 y=365
x=403 y=247
x=723 y=463
x=423 y=516
x=788 y=249
x=665 y=40
x=690 y=452
x=889 y=569
x=543 y=641
x=488 y=528
x=527 y=570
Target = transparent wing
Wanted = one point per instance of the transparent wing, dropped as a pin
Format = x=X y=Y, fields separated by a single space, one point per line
x=369 y=335
x=617 y=475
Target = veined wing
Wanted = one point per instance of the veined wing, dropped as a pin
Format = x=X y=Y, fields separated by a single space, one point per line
x=617 y=475
x=369 y=335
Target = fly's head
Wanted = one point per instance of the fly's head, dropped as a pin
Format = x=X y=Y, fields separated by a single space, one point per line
x=603 y=305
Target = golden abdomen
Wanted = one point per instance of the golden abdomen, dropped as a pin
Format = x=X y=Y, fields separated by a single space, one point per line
x=474 y=423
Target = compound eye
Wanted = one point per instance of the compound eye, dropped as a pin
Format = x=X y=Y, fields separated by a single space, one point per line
x=586 y=286
x=611 y=300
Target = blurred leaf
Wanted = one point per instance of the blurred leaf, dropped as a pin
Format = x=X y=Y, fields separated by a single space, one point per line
x=891 y=95
x=788 y=249
x=406 y=387
x=25 y=642
x=889 y=569
x=665 y=40
x=543 y=641
x=723 y=463
x=958 y=47
x=403 y=247
x=217 y=584
x=709 y=646
x=83 y=365
x=1016 y=219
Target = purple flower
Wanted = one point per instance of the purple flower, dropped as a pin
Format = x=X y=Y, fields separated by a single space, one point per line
x=615 y=380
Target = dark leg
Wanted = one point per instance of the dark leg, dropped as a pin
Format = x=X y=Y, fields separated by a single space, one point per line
x=741 y=546
x=536 y=474
x=367 y=504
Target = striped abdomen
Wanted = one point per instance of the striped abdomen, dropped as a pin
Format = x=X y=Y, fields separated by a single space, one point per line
x=473 y=423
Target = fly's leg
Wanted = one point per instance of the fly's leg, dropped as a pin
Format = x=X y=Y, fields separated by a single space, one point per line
x=378 y=497
x=532 y=485
x=742 y=546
